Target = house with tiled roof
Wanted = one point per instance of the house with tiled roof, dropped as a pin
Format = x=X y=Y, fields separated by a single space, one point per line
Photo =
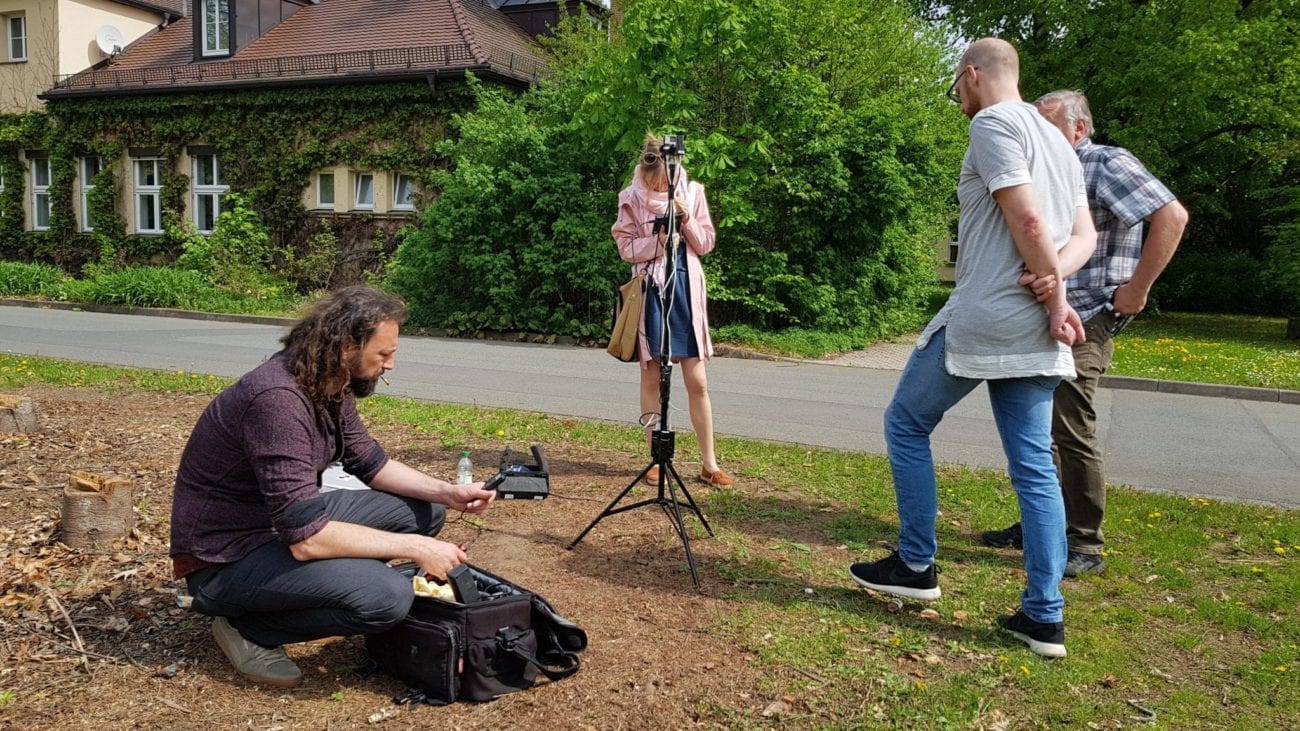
x=326 y=113
x=44 y=39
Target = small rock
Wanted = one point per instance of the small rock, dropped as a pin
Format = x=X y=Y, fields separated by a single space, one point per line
x=776 y=709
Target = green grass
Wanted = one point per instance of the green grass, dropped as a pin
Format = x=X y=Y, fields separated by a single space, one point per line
x=1232 y=349
x=1197 y=617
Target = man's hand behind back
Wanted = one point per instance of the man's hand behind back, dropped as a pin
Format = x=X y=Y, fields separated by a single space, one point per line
x=1064 y=325
x=1129 y=299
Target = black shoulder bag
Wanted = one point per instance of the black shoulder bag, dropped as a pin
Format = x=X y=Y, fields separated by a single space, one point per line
x=480 y=649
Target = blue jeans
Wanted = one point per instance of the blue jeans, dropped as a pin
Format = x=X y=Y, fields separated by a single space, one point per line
x=1022 y=409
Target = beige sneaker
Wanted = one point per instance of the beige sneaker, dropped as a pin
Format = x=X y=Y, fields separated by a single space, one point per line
x=259 y=664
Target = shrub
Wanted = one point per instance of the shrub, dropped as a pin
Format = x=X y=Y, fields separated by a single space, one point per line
x=20 y=278
x=142 y=287
x=238 y=251
x=1236 y=282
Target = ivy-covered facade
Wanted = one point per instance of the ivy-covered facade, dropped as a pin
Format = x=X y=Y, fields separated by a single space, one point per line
x=136 y=172
x=131 y=157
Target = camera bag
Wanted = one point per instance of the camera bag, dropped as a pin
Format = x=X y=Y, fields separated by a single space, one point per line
x=479 y=650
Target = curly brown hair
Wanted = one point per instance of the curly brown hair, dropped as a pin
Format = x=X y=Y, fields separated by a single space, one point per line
x=348 y=316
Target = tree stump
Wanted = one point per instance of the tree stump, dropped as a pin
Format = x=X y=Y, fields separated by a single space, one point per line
x=17 y=414
x=97 y=510
x=1293 y=328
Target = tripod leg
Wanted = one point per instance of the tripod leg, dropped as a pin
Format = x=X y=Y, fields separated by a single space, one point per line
x=609 y=509
x=690 y=502
x=666 y=477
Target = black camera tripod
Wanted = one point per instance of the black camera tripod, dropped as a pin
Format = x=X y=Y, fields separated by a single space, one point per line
x=662 y=440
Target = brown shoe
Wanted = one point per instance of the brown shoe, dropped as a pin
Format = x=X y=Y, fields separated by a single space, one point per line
x=717 y=479
x=652 y=477
x=263 y=665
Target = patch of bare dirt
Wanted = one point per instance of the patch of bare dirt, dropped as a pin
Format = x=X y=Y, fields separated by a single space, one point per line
x=97 y=640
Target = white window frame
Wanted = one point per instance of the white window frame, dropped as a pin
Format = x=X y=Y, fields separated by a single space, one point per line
x=221 y=13
x=334 y=191
x=400 y=205
x=40 y=192
x=11 y=37
x=217 y=189
x=139 y=190
x=356 y=192
x=2 y=188
x=87 y=185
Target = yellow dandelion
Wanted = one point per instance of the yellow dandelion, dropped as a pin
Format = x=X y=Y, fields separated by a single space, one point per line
x=920 y=685
x=501 y=432
x=1024 y=670
x=1280 y=551
x=1179 y=569
x=895 y=640
x=1002 y=659
x=1282 y=668
x=1256 y=570
x=1154 y=515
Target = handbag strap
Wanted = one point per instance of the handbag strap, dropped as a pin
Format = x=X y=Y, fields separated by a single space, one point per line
x=567 y=662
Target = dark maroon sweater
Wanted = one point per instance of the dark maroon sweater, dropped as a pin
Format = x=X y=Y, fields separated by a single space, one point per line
x=250 y=473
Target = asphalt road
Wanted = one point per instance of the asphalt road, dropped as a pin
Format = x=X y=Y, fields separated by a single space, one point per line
x=1193 y=445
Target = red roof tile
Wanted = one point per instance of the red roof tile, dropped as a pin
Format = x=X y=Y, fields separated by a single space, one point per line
x=334 y=39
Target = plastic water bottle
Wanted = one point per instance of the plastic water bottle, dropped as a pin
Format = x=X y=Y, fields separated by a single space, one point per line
x=464 y=469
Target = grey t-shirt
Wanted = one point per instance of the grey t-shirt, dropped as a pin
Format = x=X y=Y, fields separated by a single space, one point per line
x=996 y=329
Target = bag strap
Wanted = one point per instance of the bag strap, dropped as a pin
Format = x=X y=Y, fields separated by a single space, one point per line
x=568 y=662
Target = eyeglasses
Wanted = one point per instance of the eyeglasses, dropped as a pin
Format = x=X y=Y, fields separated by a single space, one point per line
x=952 y=90
x=649 y=158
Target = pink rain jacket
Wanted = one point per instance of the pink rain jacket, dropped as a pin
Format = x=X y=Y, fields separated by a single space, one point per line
x=634 y=233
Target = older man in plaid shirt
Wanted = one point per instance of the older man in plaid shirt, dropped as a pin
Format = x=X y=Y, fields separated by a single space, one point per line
x=1107 y=292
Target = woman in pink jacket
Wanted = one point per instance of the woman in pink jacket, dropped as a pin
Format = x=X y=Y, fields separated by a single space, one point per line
x=689 y=344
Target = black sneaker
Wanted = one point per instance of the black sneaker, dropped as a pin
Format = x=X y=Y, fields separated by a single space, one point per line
x=891 y=576
x=1006 y=538
x=1077 y=564
x=1045 y=638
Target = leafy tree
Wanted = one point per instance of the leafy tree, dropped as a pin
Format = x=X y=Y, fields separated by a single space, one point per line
x=1203 y=91
x=818 y=128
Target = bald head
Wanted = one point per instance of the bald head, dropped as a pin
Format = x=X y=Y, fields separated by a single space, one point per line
x=996 y=58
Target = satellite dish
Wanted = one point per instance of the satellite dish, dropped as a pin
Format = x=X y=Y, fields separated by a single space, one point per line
x=109 y=40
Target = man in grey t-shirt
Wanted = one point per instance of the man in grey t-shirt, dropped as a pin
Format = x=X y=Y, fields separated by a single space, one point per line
x=1023 y=209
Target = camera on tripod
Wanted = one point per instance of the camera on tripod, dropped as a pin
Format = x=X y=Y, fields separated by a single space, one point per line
x=673 y=145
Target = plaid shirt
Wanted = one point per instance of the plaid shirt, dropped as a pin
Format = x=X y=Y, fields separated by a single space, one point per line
x=1121 y=194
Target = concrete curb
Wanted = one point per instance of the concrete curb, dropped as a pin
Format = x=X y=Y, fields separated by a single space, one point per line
x=151 y=311
x=1244 y=393
x=721 y=350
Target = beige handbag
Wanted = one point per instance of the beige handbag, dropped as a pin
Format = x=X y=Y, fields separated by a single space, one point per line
x=627 y=315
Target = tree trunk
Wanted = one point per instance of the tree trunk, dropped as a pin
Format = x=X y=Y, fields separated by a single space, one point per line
x=97 y=510
x=1293 y=328
x=17 y=414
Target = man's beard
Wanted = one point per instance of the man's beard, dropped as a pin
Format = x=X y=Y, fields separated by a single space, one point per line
x=363 y=387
